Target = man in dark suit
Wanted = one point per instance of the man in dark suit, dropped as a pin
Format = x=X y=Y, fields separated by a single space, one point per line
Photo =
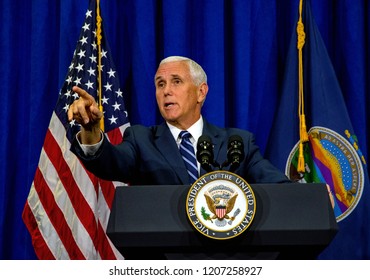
x=150 y=155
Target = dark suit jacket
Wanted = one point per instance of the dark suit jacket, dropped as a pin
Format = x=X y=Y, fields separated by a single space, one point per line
x=150 y=156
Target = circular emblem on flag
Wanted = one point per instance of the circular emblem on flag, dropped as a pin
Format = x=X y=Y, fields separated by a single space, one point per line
x=221 y=205
x=330 y=158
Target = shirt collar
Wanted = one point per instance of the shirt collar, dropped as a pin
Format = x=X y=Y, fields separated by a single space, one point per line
x=195 y=130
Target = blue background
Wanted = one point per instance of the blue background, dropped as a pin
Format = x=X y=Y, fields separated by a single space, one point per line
x=242 y=46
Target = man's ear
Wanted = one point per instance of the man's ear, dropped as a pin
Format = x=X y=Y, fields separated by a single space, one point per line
x=202 y=93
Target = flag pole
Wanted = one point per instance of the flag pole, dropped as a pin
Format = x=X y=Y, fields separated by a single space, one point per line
x=303 y=137
x=99 y=37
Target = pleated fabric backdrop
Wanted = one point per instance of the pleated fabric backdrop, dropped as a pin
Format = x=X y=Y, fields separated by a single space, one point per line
x=242 y=46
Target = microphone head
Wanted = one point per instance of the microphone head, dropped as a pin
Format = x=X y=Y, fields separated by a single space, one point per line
x=205 y=151
x=235 y=140
x=204 y=139
x=235 y=149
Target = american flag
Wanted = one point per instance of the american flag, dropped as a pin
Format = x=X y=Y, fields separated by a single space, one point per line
x=67 y=209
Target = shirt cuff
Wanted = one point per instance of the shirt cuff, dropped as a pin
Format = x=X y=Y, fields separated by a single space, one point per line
x=90 y=150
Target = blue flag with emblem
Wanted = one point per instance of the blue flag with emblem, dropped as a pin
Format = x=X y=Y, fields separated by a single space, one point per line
x=330 y=152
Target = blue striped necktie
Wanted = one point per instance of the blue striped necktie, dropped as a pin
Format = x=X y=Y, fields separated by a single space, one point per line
x=188 y=155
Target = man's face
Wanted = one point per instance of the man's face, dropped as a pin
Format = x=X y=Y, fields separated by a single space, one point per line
x=179 y=99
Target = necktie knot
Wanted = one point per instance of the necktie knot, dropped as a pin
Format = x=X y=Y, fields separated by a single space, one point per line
x=185 y=134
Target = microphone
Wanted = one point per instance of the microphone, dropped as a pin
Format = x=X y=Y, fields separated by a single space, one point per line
x=205 y=152
x=235 y=152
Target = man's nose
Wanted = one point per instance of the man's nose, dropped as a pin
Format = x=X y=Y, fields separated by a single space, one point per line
x=167 y=90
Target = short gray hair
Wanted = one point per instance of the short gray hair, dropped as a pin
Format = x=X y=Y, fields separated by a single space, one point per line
x=196 y=71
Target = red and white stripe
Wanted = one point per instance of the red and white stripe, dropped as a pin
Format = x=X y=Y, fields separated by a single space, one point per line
x=67 y=210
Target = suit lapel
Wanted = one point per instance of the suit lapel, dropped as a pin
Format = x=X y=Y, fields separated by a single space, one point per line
x=167 y=146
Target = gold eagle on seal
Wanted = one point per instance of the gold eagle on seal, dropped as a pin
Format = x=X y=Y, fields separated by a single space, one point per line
x=220 y=206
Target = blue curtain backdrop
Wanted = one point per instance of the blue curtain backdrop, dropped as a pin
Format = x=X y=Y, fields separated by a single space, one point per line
x=242 y=45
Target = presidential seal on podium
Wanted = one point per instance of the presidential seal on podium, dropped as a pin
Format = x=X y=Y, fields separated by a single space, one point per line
x=221 y=205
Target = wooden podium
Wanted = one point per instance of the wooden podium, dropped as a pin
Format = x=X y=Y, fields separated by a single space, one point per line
x=292 y=221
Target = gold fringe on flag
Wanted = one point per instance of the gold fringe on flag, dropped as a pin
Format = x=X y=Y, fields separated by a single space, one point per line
x=303 y=136
x=99 y=37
